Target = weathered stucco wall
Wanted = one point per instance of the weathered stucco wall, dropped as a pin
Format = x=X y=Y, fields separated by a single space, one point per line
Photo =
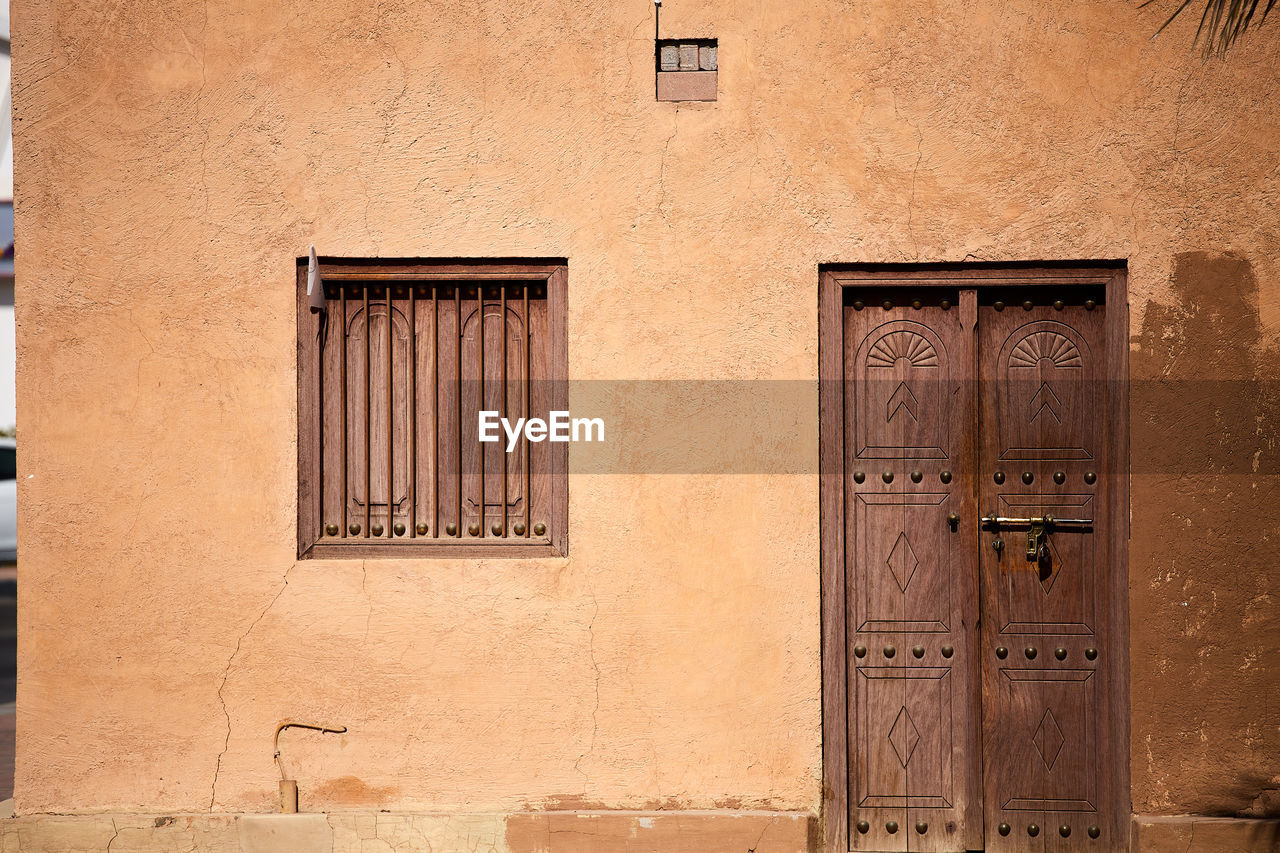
x=173 y=160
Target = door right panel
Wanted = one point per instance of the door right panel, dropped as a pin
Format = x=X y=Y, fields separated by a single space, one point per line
x=1047 y=707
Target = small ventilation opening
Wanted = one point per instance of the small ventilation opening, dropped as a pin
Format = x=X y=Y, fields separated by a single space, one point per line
x=687 y=69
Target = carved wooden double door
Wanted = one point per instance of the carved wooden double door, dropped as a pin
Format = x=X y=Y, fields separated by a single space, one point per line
x=974 y=571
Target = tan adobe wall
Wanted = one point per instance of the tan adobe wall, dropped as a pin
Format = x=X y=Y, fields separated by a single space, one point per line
x=174 y=159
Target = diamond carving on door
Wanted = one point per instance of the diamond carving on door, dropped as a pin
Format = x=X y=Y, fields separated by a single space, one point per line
x=902 y=561
x=974 y=670
x=1048 y=739
x=904 y=736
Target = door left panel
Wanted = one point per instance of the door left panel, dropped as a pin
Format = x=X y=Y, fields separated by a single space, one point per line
x=910 y=605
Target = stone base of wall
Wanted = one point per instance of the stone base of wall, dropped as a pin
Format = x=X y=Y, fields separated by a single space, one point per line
x=1192 y=834
x=377 y=832
x=525 y=832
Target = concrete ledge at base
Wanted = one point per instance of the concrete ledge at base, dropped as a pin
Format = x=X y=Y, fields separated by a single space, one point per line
x=361 y=832
x=1193 y=834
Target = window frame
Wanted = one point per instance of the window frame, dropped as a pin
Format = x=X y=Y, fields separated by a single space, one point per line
x=550 y=273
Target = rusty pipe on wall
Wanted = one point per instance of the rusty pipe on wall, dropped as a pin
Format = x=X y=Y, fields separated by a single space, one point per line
x=289 y=787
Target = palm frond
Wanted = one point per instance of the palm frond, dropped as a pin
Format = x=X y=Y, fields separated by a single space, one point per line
x=1221 y=22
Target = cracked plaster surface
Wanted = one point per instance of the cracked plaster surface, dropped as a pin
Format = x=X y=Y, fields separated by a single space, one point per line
x=174 y=160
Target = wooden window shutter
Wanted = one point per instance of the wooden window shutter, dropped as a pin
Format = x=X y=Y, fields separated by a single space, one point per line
x=392 y=375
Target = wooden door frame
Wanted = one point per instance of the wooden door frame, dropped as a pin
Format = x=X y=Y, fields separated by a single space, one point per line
x=833 y=280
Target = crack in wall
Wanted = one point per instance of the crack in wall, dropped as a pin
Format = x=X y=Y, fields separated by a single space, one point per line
x=662 y=172
x=595 y=711
x=204 y=130
x=1178 y=164
x=911 y=203
x=364 y=575
x=226 y=673
x=754 y=847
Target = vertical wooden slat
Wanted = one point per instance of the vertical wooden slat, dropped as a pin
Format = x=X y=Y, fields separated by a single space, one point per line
x=457 y=304
x=502 y=330
x=528 y=389
x=435 y=411
x=368 y=408
x=413 y=411
x=1119 y=472
x=343 y=395
x=480 y=398
x=391 y=422
x=321 y=346
x=555 y=357
x=831 y=484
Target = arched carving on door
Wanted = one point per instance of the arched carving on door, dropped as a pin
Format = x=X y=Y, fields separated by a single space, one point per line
x=901 y=371
x=1046 y=371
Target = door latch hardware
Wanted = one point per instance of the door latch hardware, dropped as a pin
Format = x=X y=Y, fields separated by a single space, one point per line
x=995 y=521
x=1035 y=538
x=1038 y=528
